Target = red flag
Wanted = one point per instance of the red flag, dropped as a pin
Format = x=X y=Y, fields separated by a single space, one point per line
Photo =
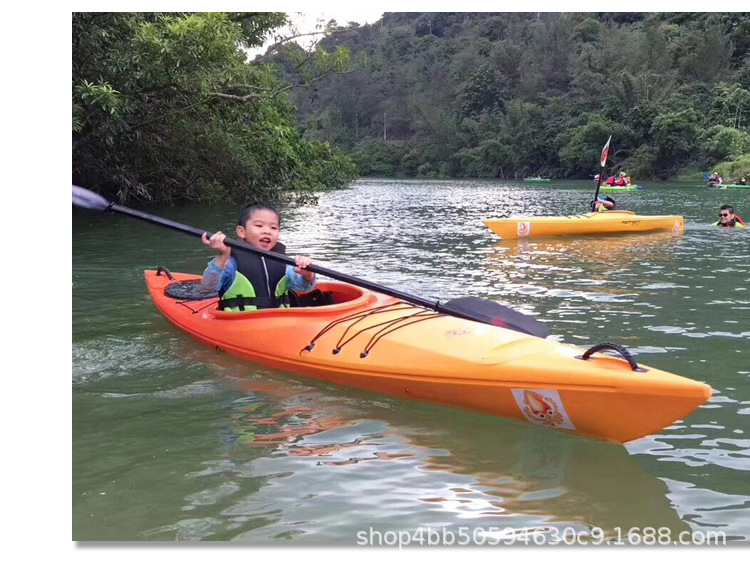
x=605 y=151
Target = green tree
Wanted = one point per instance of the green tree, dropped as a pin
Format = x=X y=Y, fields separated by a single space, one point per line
x=731 y=105
x=481 y=93
x=582 y=149
x=725 y=143
x=676 y=136
x=166 y=107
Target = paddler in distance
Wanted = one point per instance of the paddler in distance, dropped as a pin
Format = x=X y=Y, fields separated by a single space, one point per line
x=715 y=179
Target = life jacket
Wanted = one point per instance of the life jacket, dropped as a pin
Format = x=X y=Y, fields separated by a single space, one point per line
x=734 y=223
x=603 y=209
x=611 y=180
x=259 y=283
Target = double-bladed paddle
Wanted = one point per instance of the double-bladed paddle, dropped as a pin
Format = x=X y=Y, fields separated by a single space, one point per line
x=473 y=309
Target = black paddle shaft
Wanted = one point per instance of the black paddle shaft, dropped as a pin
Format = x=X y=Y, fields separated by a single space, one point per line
x=472 y=309
x=596 y=194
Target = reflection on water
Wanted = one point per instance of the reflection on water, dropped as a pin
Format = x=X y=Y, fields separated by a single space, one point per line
x=509 y=476
x=174 y=441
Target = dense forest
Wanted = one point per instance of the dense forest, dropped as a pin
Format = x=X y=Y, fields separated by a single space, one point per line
x=167 y=107
x=513 y=94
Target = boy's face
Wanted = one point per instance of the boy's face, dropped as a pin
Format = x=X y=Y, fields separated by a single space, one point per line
x=261 y=229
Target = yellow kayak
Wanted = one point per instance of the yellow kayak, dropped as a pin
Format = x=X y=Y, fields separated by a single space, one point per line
x=610 y=222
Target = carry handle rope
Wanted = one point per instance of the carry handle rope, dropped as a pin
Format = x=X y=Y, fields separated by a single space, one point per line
x=161 y=269
x=617 y=348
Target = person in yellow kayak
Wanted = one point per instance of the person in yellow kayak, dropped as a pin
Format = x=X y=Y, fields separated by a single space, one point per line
x=728 y=218
x=603 y=204
x=246 y=281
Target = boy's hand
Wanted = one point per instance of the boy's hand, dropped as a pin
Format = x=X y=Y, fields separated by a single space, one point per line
x=216 y=242
x=302 y=262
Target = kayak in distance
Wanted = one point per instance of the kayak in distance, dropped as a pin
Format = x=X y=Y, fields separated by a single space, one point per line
x=537 y=180
x=608 y=222
x=620 y=188
x=375 y=342
x=730 y=186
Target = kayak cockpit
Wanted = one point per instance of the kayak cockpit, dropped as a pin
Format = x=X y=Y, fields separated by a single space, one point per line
x=342 y=297
x=185 y=290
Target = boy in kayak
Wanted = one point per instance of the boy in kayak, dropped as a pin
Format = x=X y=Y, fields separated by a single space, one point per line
x=246 y=281
x=728 y=219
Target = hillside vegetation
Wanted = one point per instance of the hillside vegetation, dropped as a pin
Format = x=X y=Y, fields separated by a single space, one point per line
x=509 y=95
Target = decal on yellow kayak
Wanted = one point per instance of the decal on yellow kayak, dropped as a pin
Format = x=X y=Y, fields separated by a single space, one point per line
x=524 y=228
x=677 y=226
x=543 y=407
x=458 y=332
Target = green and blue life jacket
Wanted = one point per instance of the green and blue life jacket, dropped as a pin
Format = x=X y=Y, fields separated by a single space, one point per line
x=259 y=283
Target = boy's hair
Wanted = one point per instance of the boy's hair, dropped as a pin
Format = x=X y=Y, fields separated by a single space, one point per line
x=729 y=208
x=247 y=211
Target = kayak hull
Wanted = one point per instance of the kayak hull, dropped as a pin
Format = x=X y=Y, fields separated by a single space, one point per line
x=604 y=189
x=614 y=222
x=730 y=186
x=374 y=342
x=537 y=180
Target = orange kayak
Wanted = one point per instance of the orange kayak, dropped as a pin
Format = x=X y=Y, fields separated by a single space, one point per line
x=375 y=342
x=610 y=222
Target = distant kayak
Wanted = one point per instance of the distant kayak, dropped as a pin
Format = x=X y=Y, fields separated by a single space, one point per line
x=537 y=180
x=619 y=188
x=731 y=186
x=610 y=222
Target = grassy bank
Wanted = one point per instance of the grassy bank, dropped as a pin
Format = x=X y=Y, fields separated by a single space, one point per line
x=731 y=171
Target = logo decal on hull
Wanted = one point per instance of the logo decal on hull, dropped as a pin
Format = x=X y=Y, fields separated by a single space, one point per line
x=543 y=407
x=524 y=228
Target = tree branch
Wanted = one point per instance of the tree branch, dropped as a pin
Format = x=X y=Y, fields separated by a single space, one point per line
x=273 y=49
x=259 y=59
x=277 y=92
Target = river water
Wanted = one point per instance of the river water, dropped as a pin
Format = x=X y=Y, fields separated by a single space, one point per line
x=172 y=440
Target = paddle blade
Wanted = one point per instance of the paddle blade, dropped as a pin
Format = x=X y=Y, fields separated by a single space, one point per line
x=605 y=152
x=495 y=314
x=88 y=199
